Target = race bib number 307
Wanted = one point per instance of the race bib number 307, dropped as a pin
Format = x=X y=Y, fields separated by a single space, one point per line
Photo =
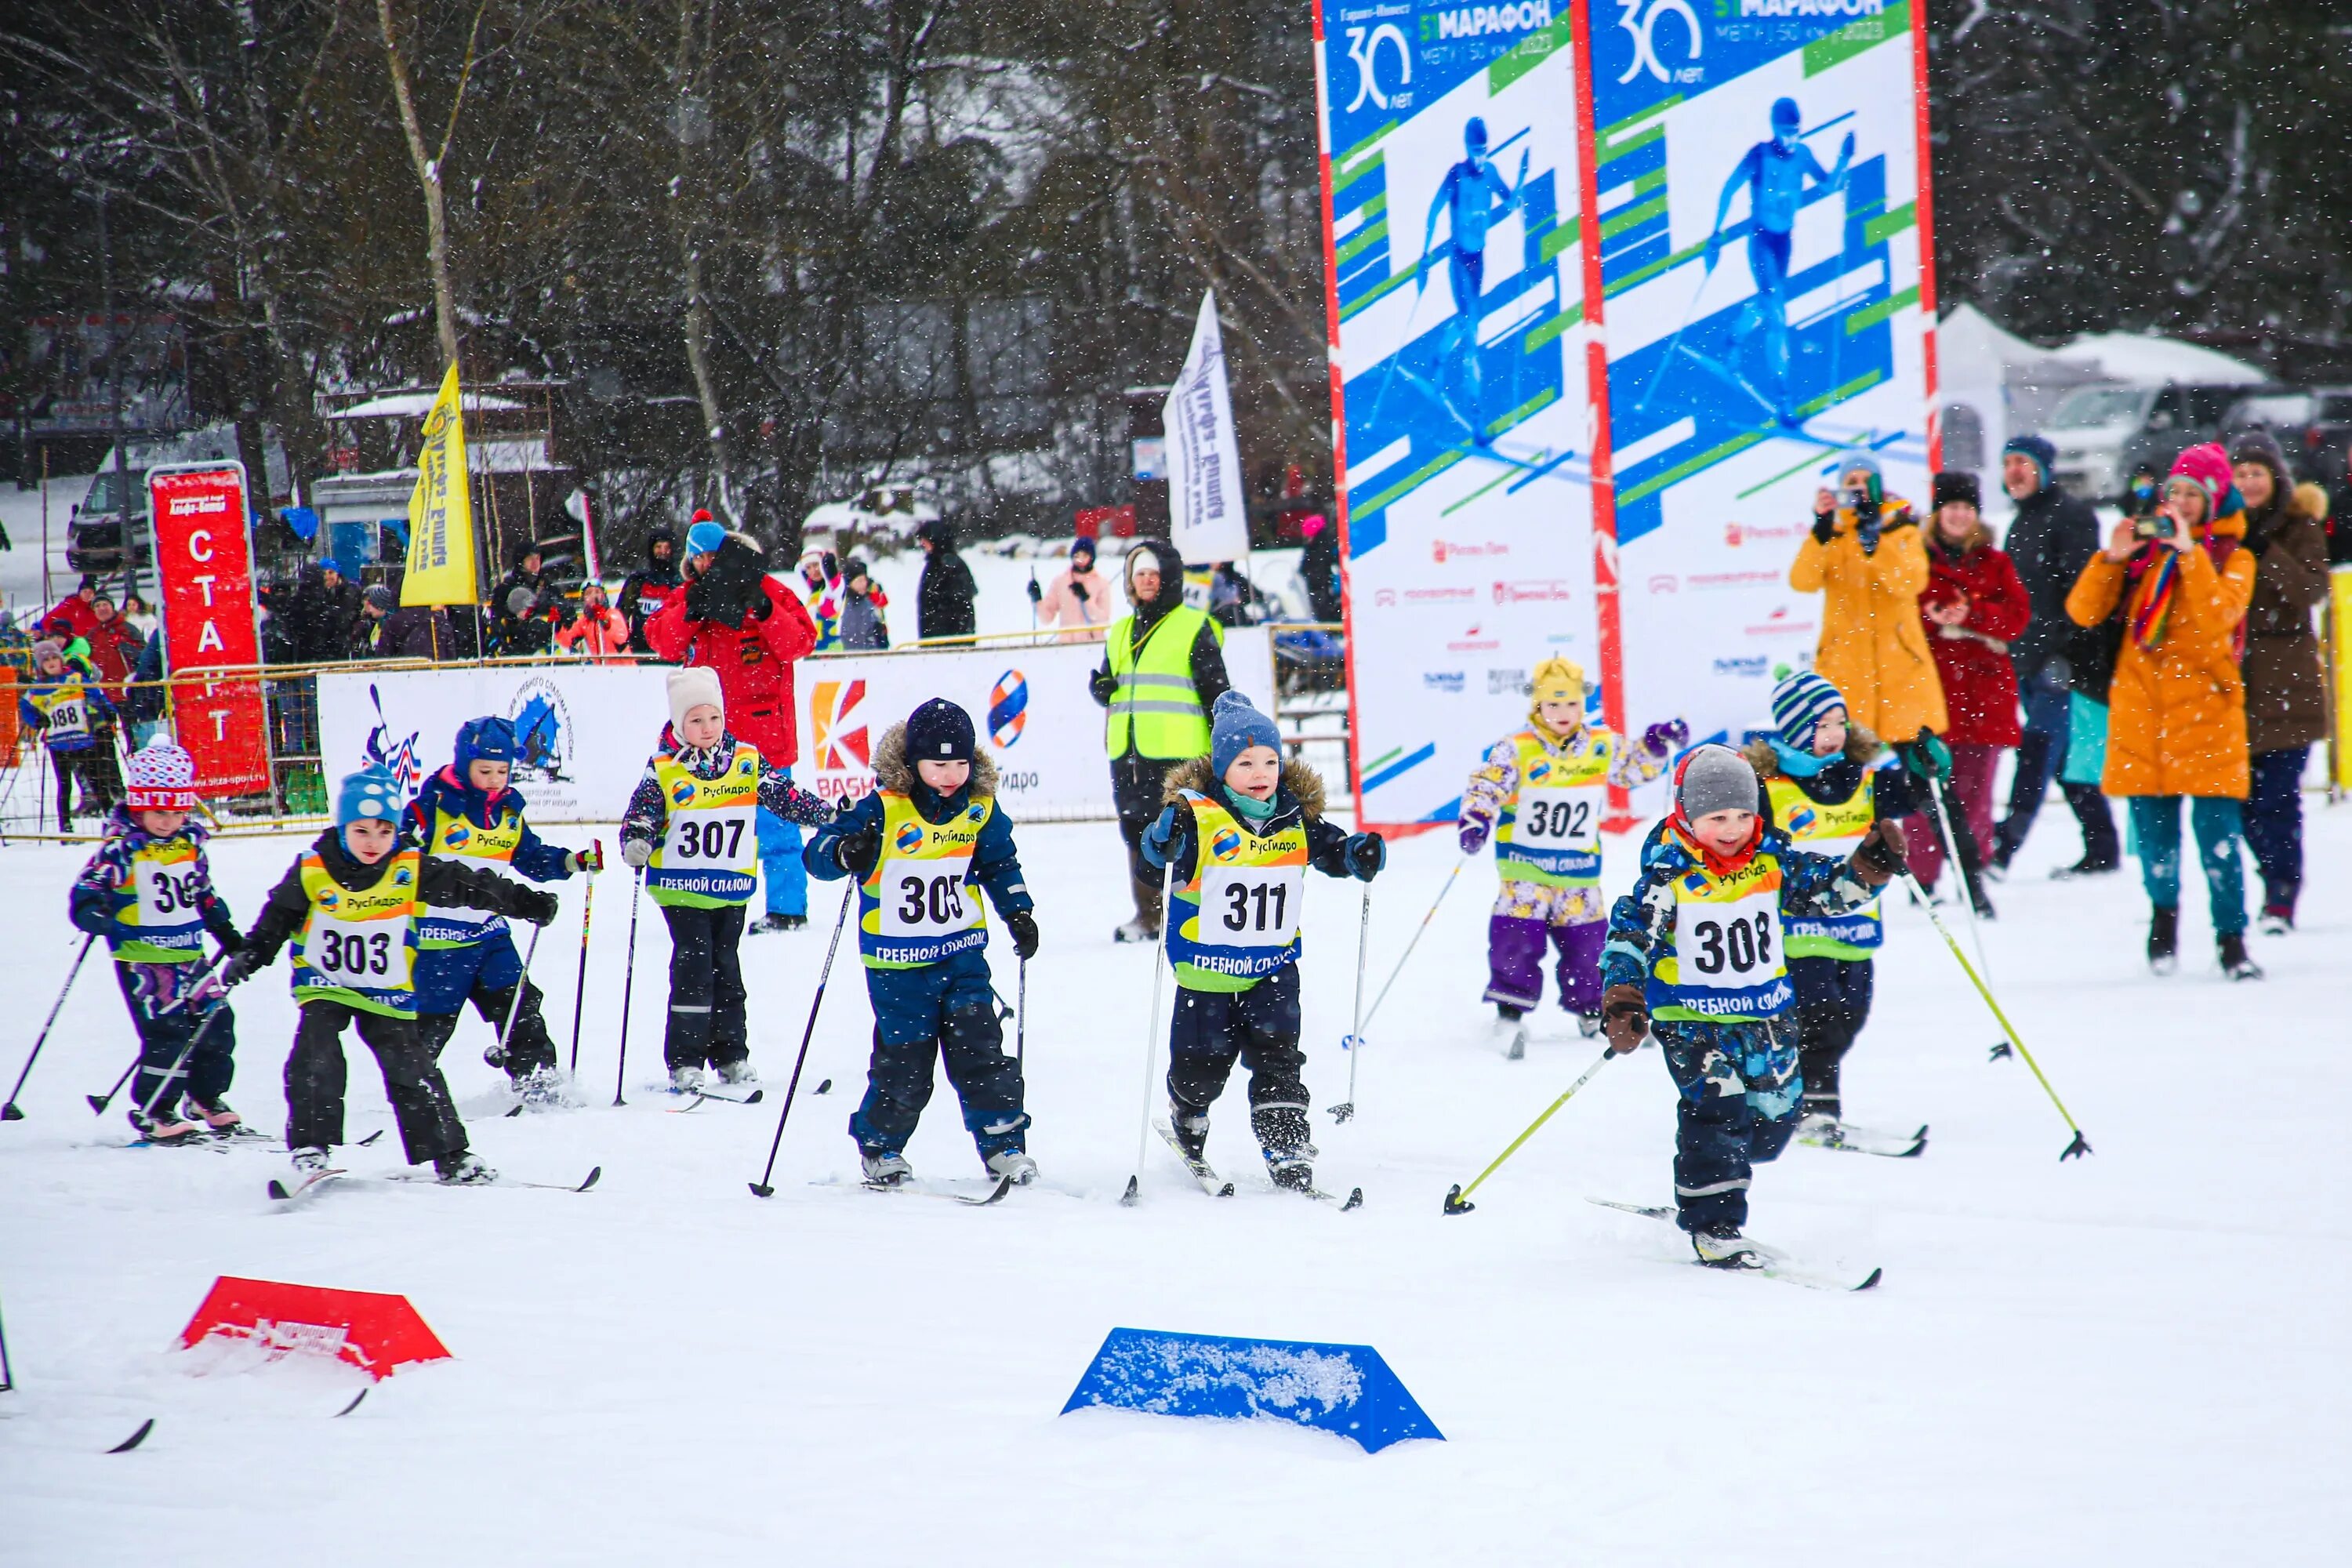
x=710 y=837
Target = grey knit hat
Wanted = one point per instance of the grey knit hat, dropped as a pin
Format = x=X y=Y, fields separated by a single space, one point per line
x=1714 y=778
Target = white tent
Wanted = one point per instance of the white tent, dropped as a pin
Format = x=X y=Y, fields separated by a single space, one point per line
x=2134 y=357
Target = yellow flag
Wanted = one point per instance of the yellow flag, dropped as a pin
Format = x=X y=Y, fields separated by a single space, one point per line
x=441 y=511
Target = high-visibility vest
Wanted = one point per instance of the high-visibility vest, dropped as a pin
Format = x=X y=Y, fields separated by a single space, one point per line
x=359 y=946
x=709 y=857
x=1154 y=709
x=457 y=836
x=1236 y=920
x=921 y=903
x=1726 y=964
x=1549 y=830
x=158 y=910
x=1828 y=829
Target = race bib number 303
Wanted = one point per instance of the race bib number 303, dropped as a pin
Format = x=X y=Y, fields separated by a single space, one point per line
x=1727 y=946
x=1251 y=906
x=364 y=955
x=1559 y=818
x=929 y=898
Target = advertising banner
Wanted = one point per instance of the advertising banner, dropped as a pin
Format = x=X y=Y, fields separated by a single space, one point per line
x=1460 y=390
x=1768 y=310
x=204 y=563
x=585 y=731
x=441 y=510
x=1206 y=517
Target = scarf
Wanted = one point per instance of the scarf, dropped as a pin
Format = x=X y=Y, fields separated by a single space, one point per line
x=1679 y=831
x=2156 y=573
x=1254 y=812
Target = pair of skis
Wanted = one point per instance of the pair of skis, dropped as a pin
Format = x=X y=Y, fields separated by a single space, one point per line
x=317 y=1180
x=1216 y=1187
x=1845 y=1137
x=1757 y=1258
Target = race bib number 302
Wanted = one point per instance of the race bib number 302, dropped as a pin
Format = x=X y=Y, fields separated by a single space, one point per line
x=1727 y=946
x=927 y=897
x=1559 y=818
x=1251 y=906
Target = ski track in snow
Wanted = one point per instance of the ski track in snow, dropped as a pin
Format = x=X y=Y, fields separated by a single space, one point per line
x=2134 y=1358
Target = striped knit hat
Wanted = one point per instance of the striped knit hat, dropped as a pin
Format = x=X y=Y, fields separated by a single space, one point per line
x=1798 y=704
x=162 y=778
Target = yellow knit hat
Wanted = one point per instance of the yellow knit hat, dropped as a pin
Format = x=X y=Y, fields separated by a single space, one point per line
x=1558 y=681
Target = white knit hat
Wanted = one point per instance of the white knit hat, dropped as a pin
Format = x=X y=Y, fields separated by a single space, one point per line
x=162 y=778
x=689 y=688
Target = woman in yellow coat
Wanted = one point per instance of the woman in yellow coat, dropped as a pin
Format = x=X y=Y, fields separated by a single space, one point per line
x=2176 y=711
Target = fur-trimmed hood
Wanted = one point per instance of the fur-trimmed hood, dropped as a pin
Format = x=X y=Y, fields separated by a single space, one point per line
x=893 y=772
x=1304 y=784
x=1861 y=746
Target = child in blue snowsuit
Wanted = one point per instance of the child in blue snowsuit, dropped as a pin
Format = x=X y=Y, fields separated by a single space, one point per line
x=467 y=813
x=149 y=893
x=922 y=845
x=1696 y=955
x=1822 y=789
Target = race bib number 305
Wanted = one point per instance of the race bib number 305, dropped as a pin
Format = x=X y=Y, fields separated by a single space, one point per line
x=927 y=897
x=1559 y=818
x=1251 y=906
x=365 y=954
x=1727 y=946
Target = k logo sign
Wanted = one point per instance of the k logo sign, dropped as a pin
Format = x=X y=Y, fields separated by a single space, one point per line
x=837 y=736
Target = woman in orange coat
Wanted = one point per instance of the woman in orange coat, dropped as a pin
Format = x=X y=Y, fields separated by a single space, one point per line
x=599 y=631
x=2176 y=711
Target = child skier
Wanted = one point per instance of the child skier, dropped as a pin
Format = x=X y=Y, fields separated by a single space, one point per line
x=1696 y=946
x=65 y=703
x=149 y=893
x=466 y=812
x=1232 y=930
x=1822 y=792
x=690 y=827
x=351 y=906
x=921 y=846
x=1542 y=793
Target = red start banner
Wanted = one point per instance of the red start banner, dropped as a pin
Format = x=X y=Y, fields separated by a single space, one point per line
x=205 y=564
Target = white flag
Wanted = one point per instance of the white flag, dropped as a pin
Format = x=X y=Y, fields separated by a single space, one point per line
x=1207 y=520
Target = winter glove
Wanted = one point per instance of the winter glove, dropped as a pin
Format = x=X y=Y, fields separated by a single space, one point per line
x=1824 y=527
x=87 y=907
x=242 y=965
x=1665 y=740
x=1159 y=838
x=637 y=852
x=1023 y=925
x=231 y=940
x=1101 y=684
x=1367 y=853
x=1624 y=1019
x=589 y=860
x=1928 y=757
x=1878 y=858
x=1036 y=594
x=531 y=904
x=1078 y=592
x=858 y=852
x=726 y=588
x=1473 y=834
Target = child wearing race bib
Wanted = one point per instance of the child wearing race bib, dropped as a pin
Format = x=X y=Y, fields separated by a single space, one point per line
x=467 y=813
x=1821 y=792
x=350 y=905
x=1542 y=793
x=1698 y=957
x=922 y=845
x=76 y=722
x=149 y=893
x=692 y=827
x=1239 y=830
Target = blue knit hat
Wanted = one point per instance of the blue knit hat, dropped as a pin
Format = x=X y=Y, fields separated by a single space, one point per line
x=370 y=793
x=489 y=739
x=1234 y=728
x=939 y=732
x=705 y=537
x=2044 y=455
x=1798 y=704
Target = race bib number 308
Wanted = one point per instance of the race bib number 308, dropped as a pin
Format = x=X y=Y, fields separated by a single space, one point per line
x=927 y=897
x=1727 y=946
x=1251 y=906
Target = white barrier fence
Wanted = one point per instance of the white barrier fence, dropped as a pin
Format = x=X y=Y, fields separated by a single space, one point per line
x=587 y=729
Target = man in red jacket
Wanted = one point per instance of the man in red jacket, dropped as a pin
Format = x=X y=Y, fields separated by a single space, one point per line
x=749 y=629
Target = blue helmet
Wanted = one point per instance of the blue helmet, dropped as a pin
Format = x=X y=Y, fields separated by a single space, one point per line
x=489 y=739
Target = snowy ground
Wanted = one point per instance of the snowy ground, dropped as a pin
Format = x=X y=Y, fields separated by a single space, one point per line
x=2132 y=1358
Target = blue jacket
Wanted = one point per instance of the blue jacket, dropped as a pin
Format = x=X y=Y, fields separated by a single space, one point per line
x=449 y=791
x=37 y=697
x=995 y=862
x=1641 y=924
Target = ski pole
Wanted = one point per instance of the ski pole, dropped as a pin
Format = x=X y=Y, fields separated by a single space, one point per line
x=579 y=987
x=1151 y=1039
x=628 y=986
x=1667 y=360
x=1968 y=887
x=9 y=1112
x=522 y=981
x=1374 y=1010
x=99 y=1102
x=1347 y=1107
x=7 y=1373
x=180 y=1064
x=1457 y=1201
x=1021 y=1017
x=2081 y=1145
x=763 y=1187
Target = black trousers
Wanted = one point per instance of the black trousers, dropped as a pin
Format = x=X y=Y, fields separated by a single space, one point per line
x=529 y=1046
x=706 y=987
x=1136 y=783
x=315 y=1074
x=1833 y=1004
x=1258 y=1027
x=102 y=784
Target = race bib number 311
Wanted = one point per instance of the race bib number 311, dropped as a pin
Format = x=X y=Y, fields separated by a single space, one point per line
x=1251 y=906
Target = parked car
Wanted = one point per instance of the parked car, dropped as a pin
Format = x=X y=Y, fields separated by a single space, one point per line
x=96 y=539
x=2314 y=426
x=2106 y=433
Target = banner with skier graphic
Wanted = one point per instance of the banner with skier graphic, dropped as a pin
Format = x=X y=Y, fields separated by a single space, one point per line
x=1769 y=309
x=1461 y=396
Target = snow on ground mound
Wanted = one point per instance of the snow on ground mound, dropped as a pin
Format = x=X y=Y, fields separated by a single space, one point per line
x=2133 y=1359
